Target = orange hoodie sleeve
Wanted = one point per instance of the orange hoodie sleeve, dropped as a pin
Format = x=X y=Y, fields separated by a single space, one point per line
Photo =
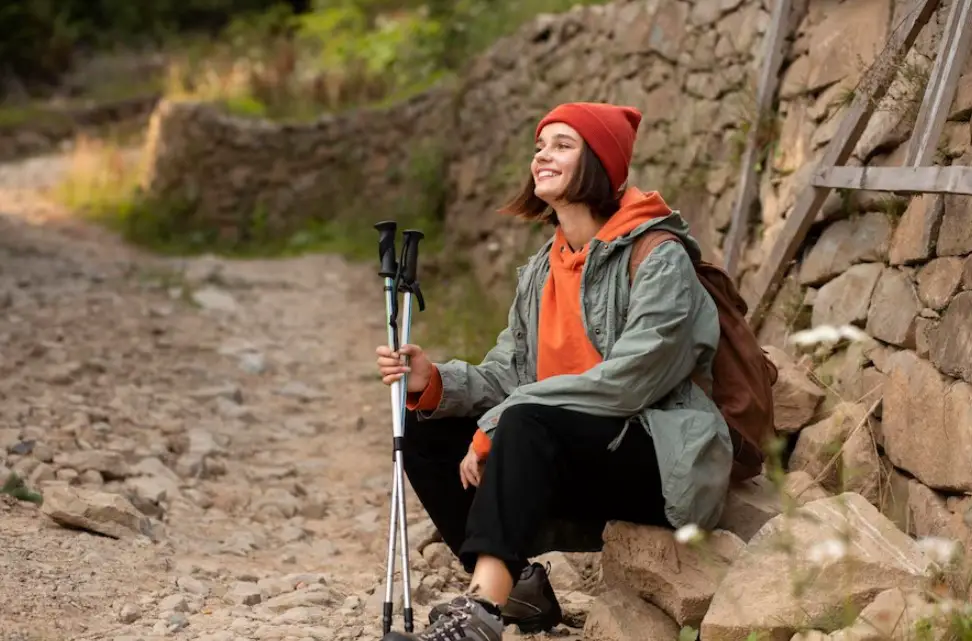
x=481 y=444
x=429 y=398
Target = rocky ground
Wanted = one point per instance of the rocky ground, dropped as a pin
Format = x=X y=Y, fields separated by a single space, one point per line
x=211 y=443
x=210 y=438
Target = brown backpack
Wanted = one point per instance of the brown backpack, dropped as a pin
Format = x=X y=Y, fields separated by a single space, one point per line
x=743 y=375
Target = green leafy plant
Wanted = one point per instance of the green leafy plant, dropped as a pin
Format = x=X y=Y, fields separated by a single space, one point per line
x=15 y=487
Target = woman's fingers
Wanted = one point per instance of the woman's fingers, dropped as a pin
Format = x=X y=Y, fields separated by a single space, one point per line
x=390 y=365
x=410 y=350
x=469 y=472
x=388 y=370
x=388 y=356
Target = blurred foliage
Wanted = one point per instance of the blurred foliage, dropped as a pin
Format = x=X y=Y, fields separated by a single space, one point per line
x=268 y=58
x=40 y=38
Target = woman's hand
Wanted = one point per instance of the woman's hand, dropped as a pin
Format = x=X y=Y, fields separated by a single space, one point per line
x=391 y=365
x=471 y=469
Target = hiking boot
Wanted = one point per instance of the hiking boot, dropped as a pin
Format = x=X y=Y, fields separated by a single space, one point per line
x=462 y=619
x=532 y=606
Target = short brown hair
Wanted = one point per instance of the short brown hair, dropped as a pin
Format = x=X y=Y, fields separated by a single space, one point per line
x=590 y=185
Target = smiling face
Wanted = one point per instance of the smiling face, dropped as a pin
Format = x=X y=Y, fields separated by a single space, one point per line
x=556 y=161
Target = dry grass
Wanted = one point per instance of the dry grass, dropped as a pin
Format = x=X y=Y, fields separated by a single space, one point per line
x=102 y=176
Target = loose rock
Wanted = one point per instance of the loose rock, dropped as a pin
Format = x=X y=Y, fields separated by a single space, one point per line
x=619 y=615
x=678 y=579
x=757 y=593
x=101 y=512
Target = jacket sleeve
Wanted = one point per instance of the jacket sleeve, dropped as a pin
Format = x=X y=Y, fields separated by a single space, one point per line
x=470 y=390
x=654 y=353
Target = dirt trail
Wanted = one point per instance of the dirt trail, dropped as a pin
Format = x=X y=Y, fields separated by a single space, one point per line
x=234 y=402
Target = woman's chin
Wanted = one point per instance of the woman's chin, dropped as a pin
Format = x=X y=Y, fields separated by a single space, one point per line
x=546 y=194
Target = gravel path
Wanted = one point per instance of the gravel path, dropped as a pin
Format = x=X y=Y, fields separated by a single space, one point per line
x=232 y=403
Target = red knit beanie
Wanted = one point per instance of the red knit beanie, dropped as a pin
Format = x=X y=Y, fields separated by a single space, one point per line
x=609 y=130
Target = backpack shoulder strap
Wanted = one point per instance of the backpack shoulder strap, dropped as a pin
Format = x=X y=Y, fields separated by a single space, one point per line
x=646 y=244
x=642 y=248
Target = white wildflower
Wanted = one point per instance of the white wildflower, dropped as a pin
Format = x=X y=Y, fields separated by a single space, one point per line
x=827 y=551
x=690 y=533
x=824 y=334
x=940 y=550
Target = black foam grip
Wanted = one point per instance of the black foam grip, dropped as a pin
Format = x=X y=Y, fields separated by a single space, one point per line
x=386 y=248
x=410 y=267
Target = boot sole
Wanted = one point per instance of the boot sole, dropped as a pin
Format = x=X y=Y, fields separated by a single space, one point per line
x=542 y=622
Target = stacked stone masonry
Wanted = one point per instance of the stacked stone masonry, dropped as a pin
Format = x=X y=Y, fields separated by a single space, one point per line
x=879 y=431
x=230 y=169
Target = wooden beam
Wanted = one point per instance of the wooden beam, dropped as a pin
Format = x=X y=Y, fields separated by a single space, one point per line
x=873 y=87
x=774 y=50
x=904 y=180
x=942 y=84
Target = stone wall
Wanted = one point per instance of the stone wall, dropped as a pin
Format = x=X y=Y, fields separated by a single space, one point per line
x=899 y=268
x=690 y=67
x=853 y=227
x=881 y=423
x=231 y=174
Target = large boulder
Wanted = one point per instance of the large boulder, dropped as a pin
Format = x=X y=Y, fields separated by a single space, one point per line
x=844 y=243
x=895 y=615
x=914 y=237
x=894 y=309
x=749 y=505
x=795 y=397
x=679 y=579
x=840 y=451
x=846 y=299
x=927 y=424
x=804 y=569
x=951 y=345
x=620 y=615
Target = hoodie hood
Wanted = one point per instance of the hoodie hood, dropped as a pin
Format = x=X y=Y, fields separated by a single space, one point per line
x=642 y=211
x=637 y=208
x=639 y=212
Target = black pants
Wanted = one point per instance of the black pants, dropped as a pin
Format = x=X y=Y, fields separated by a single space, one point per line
x=545 y=463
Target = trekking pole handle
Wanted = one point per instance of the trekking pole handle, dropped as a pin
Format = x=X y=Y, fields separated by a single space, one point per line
x=410 y=266
x=386 y=248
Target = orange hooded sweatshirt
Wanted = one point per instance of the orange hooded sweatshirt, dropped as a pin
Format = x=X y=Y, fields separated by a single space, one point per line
x=563 y=346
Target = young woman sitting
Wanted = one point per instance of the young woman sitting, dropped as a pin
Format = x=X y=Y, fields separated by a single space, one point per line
x=585 y=410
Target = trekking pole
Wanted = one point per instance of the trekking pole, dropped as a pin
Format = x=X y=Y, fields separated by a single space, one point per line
x=408 y=269
x=398 y=276
x=389 y=271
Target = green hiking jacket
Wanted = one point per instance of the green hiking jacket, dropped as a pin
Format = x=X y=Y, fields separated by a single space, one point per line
x=652 y=336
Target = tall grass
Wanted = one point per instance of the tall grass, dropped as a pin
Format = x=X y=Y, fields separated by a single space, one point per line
x=344 y=54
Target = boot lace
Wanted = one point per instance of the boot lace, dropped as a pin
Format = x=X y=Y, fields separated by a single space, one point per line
x=452 y=625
